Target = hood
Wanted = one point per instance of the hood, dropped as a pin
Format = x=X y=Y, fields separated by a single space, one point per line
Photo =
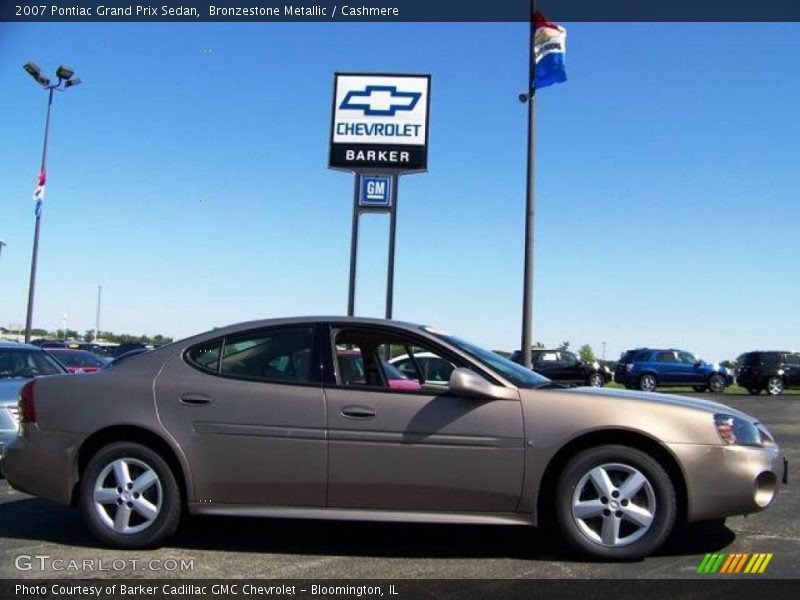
x=9 y=390
x=657 y=398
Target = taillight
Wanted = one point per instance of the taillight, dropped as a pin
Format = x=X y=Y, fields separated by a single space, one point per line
x=27 y=411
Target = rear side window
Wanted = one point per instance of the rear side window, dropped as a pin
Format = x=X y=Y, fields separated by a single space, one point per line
x=206 y=356
x=666 y=357
x=270 y=355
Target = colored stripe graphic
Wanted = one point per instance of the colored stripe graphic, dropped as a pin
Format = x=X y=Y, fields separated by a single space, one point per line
x=741 y=562
x=734 y=563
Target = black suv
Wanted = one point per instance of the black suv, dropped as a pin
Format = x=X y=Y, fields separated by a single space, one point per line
x=771 y=370
x=565 y=366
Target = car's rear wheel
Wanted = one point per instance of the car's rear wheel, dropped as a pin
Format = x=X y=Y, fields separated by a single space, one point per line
x=597 y=380
x=129 y=496
x=716 y=383
x=648 y=383
x=615 y=502
x=775 y=386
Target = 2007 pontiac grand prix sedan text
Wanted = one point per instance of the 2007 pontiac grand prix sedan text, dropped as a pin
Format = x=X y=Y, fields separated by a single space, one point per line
x=257 y=419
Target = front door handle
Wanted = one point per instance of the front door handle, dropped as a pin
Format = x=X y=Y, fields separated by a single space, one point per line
x=358 y=412
x=195 y=399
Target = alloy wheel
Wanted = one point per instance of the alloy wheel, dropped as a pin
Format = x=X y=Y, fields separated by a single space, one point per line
x=647 y=383
x=614 y=505
x=716 y=384
x=775 y=386
x=596 y=380
x=127 y=495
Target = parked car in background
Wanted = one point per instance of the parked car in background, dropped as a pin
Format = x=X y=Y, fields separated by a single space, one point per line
x=19 y=363
x=120 y=358
x=351 y=369
x=770 y=370
x=255 y=419
x=77 y=361
x=566 y=367
x=647 y=369
x=115 y=351
x=425 y=366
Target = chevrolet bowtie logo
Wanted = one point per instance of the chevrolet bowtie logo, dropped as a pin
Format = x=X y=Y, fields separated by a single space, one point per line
x=380 y=100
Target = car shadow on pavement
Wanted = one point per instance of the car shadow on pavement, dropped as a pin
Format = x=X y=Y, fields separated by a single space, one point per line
x=41 y=520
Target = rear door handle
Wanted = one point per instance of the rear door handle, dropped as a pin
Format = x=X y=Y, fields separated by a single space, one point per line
x=195 y=399
x=358 y=412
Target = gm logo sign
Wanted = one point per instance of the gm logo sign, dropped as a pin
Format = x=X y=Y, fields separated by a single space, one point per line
x=375 y=191
x=380 y=100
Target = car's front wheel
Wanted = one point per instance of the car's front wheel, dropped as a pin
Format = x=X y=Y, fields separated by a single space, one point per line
x=648 y=383
x=597 y=380
x=775 y=386
x=716 y=383
x=129 y=496
x=615 y=503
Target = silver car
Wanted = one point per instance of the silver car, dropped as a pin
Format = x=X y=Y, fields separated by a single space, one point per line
x=255 y=420
x=19 y=363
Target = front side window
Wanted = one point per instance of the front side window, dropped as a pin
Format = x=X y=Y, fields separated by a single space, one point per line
x=687 y=358
x=377 y=359
x=206 y=356
x=793 y=359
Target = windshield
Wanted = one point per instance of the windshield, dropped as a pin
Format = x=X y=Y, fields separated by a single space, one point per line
x=26 y=364
x=516 y=374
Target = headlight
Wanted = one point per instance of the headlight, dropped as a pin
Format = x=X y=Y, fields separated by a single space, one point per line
x=734 y=430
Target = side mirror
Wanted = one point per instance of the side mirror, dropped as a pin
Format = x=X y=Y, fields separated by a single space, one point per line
x=464 y=382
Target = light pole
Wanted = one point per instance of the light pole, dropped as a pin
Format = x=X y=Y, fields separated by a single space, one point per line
x=66 y=80
x=2 y=243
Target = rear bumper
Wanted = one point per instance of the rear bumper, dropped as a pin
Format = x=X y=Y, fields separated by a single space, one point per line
x=723 y=481
x=43 y=464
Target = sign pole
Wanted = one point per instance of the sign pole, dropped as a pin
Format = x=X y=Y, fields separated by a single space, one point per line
x=392 y=236
x=530 y=202
x=351 y=292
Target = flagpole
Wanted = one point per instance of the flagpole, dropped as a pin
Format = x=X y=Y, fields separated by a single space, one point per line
x=35 y=254
x=530 y=200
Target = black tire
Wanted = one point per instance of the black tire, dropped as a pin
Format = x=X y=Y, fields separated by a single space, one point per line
x=753 y=391
x=168 y=516
x=716 y=383
x=775 y=386
x=644 y=383
x=700 y=388
x=661 y=489
x=596 y=379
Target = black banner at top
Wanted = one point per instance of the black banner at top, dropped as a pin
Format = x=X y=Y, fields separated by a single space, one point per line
x=398 y=10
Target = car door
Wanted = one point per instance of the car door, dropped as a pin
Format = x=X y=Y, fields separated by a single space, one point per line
x=669 y=370
x=248 y=410
x=792 y=369
x=417 y=450
x=692 y=370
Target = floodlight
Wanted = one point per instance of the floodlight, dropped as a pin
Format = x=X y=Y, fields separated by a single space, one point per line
x=64 y=72
x=32 y=70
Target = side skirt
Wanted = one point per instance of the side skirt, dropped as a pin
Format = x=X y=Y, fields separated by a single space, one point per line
x=351 y=514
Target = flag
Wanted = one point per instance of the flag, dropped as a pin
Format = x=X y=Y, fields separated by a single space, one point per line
x=38 y=192
x=549 y=47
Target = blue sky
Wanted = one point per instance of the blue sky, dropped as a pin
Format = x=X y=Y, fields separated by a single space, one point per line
x=187 y=175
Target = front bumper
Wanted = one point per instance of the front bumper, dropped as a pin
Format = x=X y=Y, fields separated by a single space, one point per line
x=722 y=481
x=43 y=464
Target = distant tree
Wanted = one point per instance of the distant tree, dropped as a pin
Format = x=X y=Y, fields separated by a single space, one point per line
x=564 y=346
x=586 y=353
x=39 y=332
x=728 y=364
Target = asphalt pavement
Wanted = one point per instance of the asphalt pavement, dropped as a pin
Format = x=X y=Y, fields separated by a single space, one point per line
x=285 y=549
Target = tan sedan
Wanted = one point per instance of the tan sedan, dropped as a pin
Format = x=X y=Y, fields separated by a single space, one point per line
x=255 y=420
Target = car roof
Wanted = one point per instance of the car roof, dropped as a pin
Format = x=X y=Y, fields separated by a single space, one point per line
x=315 y=319
x=17 y=346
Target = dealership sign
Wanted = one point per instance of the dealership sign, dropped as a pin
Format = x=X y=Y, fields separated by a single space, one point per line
x=380 y=122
